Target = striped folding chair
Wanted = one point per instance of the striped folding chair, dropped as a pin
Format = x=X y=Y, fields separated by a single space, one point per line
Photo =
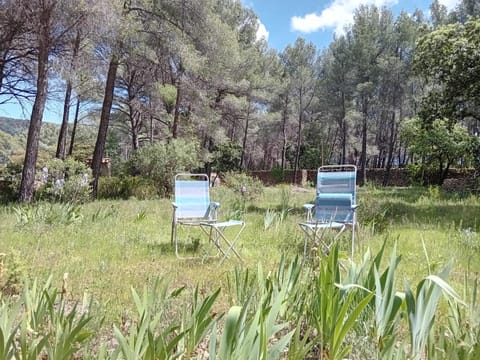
x=335 y=205
x=192 y=207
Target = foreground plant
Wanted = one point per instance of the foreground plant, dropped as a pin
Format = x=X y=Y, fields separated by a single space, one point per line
x=325 y=310
x=46 y=325
x=421 y=310
x=387 y=307
x=252 y=331
x=147 y=339
x=334 y=310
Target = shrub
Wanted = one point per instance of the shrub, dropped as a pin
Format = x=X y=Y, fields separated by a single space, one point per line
x=160 y=162
x=278 y=174
x=47 y=213
x=439 y=144
x=10 y=178
x=226 y=157
x=252 y=188
x=111 y=188
x=64 y=181
x=12 y=271
x=125 y=187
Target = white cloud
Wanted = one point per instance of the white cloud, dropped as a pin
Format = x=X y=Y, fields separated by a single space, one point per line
x=337 y=15
x=262 y=32
x=450 y=4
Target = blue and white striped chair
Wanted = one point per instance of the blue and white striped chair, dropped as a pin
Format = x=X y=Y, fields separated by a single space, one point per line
x=335 y=205
x=192 y=207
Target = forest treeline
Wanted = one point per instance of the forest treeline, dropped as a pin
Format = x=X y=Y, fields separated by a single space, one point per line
x=148 y=76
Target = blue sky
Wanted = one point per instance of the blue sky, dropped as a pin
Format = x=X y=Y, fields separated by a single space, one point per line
x=53 y=111
x=283 y=21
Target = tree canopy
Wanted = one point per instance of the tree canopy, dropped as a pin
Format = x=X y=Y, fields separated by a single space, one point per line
x=145 y=72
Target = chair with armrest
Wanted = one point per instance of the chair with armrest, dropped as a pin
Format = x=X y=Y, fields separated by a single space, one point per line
x=192 y=207
x=335 y=205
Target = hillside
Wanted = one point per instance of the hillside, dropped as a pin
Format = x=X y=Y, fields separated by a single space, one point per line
x=13 y=126
x=13 y=139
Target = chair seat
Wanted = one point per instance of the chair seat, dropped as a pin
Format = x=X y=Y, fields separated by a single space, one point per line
x=322 y=225
x=194 y=221
x=216 y=235
x=222 y=224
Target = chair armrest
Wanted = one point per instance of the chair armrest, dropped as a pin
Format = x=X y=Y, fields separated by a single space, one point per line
x=354 y=207
x=174 y=204
x=309 y=208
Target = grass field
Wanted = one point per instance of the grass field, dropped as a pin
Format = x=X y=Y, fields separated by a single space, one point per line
x=108 y=247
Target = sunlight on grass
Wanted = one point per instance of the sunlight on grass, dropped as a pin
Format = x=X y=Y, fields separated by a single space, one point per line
x=115 y=245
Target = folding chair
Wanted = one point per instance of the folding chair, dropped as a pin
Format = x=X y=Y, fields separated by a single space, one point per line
x=335 y=205
x=192 y=207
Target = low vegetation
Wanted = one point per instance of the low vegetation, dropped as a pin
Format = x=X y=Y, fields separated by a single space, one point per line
x=101 y=280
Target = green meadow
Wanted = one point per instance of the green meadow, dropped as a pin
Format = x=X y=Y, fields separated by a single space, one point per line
x=94 y=254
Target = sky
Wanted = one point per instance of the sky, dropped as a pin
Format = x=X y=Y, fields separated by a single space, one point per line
x=283 y=21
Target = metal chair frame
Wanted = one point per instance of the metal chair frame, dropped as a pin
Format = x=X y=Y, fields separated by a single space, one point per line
x=192 y=207
x=335 y=205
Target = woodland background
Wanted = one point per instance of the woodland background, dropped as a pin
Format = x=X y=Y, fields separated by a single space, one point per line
x=187 y=85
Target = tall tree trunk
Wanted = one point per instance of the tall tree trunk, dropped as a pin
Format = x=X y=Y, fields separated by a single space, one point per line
x=151 y=130
x=2 y=68
x=104 y=120
x=135 y=141
x=62 y=137
x=332 y=140
x=133 y=127
x=363 y=155
x=245 y=135
x=344 y=130
x=444 y=173
x=74 y=129
x=299 y=141
x=176 y=115
x=5 y=51
x=391 y=146
x=28 y=174
x=284 y=132
x=208 y=144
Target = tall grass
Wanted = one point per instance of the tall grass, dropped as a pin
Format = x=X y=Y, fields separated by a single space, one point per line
x=293 y=312
x=109 y=248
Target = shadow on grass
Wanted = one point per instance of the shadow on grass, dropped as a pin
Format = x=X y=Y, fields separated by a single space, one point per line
x=192 y=249
x=390 y=212
x=408 y=195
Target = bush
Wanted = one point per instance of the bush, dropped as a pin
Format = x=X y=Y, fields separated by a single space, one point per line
x=64 y=181
x=125 y=187
x=418 y=175
x=226 y=157
x=252 y=187
x=10 y=178
x=278 y=174
x=12 y=272
x=160 y=162
x=47 y=214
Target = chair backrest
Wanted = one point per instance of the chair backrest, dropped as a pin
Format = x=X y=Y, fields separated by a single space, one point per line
x=192 y=196
x=336 y=193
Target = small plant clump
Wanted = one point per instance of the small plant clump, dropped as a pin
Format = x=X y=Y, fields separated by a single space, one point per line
x=64 y=181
